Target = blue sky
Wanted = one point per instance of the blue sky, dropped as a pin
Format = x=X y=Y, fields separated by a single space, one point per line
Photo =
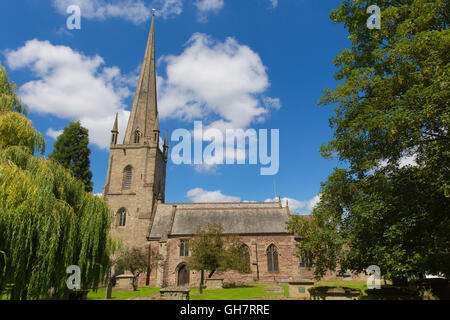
x=277 y=56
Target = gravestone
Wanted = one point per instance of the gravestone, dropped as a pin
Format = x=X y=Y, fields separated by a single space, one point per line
x=214 y=284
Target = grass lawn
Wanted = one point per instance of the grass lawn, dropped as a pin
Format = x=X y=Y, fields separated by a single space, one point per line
x=237 y=293
x=100 y=294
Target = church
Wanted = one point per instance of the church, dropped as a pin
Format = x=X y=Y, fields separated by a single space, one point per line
x=135 y=191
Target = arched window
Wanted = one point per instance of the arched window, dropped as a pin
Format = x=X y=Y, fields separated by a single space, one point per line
x=246 y=251
x=127 y=174
x=121 y=217
x=184 y=248
x=137 y=136
x=272 y=258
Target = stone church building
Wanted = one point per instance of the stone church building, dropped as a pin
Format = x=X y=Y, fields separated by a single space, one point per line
x=135 y=191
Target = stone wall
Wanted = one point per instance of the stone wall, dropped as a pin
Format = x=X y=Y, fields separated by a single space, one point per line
x=148 y=180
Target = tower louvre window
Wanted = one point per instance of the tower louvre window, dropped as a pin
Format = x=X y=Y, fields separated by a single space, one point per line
x=127 y=175
x=137 y=136
x=272 y=259
x=122 y=217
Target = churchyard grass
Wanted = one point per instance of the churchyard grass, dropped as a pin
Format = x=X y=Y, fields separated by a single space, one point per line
x=100 y=293
x=237 y=293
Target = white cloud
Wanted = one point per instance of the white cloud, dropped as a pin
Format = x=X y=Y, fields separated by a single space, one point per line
x=222 y=82
x=274 y=3
x=73 y=86
x=201 y=195
x=274 y=103
x=53 y=133
x=299 y=207
x=131 y=10
x=205 y=7
x=168 y=8
x=136 y=11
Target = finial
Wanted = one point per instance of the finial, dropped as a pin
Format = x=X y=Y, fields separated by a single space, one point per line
x=153 y=12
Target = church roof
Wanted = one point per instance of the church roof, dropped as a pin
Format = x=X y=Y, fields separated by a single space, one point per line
x=180 y=219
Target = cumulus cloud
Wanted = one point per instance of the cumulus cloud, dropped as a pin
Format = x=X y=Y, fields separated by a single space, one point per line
x=53 y=133
x=299 y=207
x=73 y=86
x=201 y=195
x=205 y=7
x=223 y=82
x=134 y=11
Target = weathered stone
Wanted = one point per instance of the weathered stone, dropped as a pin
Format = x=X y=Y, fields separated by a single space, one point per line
x=274 y=289
x=214 y=284
x=175 y=293
x=124 y=283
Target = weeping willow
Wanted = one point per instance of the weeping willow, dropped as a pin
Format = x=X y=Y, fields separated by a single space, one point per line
x=47 y=221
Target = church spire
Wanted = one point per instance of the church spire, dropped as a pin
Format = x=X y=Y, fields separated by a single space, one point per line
x=143 y=116
x=115 y=131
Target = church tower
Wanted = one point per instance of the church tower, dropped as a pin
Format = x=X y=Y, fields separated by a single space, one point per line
x=136 y=173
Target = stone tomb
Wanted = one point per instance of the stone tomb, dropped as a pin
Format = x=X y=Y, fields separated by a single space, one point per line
x=124 y=283
x=174 y=293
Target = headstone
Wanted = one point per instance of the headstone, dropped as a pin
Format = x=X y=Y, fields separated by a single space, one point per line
x=174 y=293
x=214 y=284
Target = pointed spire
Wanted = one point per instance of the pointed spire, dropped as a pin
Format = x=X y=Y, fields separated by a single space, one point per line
x=115 y=127
x=115 y=131
x=144 y=111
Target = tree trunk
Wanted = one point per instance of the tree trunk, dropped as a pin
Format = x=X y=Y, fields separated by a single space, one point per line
x=109 y=288
x=200 y=287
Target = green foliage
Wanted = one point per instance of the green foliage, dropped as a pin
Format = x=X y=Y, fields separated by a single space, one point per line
x=47 y=223
x=72 y=152
x=136 y=261
x=9 y=101
x=15 y=128
x=47 y=220
x=211 y=250
x=393 y=102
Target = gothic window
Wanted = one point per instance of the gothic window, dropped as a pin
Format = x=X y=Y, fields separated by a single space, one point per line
x=127 y=174
x=272 y=258
x=122 y=217
x=246 y=252
x=306 y=260
x=184 y=248
x=137 y=136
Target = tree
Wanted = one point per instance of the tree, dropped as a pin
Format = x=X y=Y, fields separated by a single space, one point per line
x=47 y=220
x=392 y=104
x=213 y=251
x=72 y=152
x=136 y=261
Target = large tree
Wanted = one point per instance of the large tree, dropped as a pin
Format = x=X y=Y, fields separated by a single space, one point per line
x=389 y=205
x=71 y=151
x=211 y=250
x=47 y=220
